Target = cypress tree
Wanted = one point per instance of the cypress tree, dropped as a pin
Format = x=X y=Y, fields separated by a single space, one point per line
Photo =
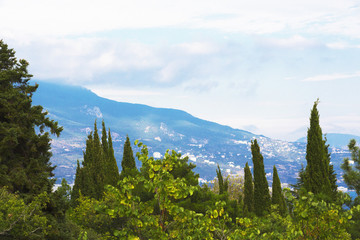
x=220 y=180
x=128 y=162
x=104 y=141
x=317 y=170
x=332 y=174
x=98 y=161
x=299 y=181
x=333 y=180
x=24 y=144
x=99 y=167
x=78 y=184
x=248 y=190
x=277 y=195
x=223 y=184
x=112 y=169
x=87 y=182
x=262 y=200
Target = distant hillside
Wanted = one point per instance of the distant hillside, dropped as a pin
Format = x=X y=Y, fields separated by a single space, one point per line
x=336 y=140
x=205 y=143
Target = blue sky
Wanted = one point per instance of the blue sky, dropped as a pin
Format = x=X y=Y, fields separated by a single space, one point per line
x=256 y=65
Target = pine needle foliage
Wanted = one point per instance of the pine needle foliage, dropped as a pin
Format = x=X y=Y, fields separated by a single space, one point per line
x=112 y=168
x=223 y=184
x=262 y=201
x=317 y=177
x=128 y=161
x=352 y=173
x=25 y=154
x=332 y=173
x=220 y=180
x=248 y=190
x=99 y=166
x=277 y=194
x=112 y=175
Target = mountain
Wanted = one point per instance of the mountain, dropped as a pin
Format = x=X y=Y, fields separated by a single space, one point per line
x=205 y=143
x=337 y=140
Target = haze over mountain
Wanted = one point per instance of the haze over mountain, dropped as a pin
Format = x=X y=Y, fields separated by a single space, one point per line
x=205 y=143
x=337 y=140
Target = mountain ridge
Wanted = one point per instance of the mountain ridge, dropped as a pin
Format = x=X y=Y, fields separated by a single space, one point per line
x=205 y=143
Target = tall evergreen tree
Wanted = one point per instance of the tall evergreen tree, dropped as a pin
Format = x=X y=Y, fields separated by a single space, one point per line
x=128 y=162
x=104 y=140
x=220 y=180
x=24 y=144
x=184 y=169
x=351 y=177
x=332 y=173
x=277 y=195
x=262 y=200
x=300 y=179
x=84 y=179
x=317 y=176
x=98 y=168
x=99 y=162
x=223 y=184
x=352 y=173
x=112 y=170
x=78 y=183
x=248 y=190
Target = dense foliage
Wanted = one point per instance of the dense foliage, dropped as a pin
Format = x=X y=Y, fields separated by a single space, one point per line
x=248 y=190
x=122 y=214
x=352 y=179
x=261 y=187
x=319 y=175
x=352 y=173
x=99 y=167
x=223 y=184
x=128 y=166
x=24 y=144
x=277 y=197
x=29 y=208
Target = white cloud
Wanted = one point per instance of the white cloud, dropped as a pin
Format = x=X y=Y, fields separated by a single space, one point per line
x=341 y=45
x=337 y=45
x=60 y=18
x=121 y=94
x=81 y=59
x=168 y=72
x=347 y=123
x=331 y=77
x=157 y=155
x=343 y=189
x=234 y=56
x=197 y=66
x=198 y=48
x=41 y=18
x=296 y=41
x=342 y=23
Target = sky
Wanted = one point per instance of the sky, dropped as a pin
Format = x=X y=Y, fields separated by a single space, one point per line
x=254 y=65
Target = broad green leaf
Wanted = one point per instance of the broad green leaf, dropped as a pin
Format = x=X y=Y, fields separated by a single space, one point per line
x=215 y=213
x=157 y=167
